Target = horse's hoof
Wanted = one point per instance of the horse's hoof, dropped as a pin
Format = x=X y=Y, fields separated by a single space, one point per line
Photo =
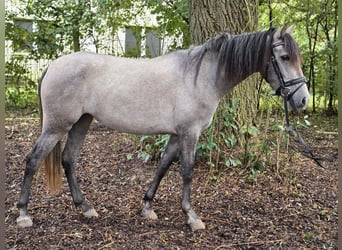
x=196 y=225
x=90 y=213
x=149 y=214
x=24 y=221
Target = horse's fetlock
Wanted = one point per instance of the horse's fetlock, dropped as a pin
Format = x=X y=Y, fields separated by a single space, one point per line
x=148 y=197
x=81 y=203
x=186 y=207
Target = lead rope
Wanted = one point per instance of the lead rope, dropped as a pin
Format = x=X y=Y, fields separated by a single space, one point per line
x=308 y=152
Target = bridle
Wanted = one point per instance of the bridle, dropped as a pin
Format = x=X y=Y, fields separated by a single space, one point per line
x=284 y=91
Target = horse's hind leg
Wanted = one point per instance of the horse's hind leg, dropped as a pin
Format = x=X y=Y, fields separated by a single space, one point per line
x=72 y=147
x=164 y=165
x=34 y=159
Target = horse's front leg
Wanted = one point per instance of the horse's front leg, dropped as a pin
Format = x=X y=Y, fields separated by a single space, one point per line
x=188 y=148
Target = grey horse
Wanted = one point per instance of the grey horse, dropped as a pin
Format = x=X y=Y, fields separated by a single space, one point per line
x=174 y=94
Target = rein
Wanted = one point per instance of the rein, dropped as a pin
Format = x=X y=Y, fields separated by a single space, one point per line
x=285 y=92
x=307 y=151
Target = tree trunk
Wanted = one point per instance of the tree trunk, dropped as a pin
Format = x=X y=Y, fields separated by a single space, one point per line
x=76 y=39
x=209 y=18
x=270 y=13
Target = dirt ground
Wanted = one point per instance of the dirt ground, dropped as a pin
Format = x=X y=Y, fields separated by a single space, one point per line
x=294 y=208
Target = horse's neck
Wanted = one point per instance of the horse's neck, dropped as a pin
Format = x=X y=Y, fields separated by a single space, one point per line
x=224 y=84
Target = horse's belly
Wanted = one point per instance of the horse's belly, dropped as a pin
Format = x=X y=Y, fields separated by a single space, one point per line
x=142 y=122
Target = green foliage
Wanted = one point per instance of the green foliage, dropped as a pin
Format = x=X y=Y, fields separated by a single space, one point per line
x=173 y=19
x=19 y=36
x=62 y=26
x=309 y=236
x=215 y=138
x=21 y=90
x=151 y=147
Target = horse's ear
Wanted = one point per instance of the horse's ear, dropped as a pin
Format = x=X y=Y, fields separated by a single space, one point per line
x=290 y=29
x=287 y=29
x=277 y=34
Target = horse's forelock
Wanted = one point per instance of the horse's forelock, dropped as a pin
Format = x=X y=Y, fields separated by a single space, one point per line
x=292 y=49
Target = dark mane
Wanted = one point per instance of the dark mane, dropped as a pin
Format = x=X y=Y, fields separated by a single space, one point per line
x=237 y=55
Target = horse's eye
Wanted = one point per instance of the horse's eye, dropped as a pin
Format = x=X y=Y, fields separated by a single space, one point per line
x=285 y=57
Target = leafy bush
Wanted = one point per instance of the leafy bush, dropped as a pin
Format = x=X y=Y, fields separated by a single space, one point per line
x=21 y=90
x=151 y=147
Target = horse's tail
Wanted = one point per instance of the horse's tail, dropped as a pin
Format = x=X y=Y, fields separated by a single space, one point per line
x=52 y=163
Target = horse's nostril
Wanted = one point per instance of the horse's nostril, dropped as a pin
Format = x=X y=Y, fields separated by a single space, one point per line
x=304 y=101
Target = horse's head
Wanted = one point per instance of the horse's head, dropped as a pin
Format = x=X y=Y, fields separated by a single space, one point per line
x=284 y=72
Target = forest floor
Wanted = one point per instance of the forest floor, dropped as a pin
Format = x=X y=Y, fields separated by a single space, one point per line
x=294 y=207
